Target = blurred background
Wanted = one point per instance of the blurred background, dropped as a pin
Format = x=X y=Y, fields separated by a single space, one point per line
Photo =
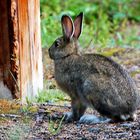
x=107 y=23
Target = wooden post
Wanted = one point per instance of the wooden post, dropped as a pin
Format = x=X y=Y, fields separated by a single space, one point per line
x=20 y=49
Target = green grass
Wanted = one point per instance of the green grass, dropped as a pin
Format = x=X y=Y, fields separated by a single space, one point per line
x=53 y=128
x=51 y=96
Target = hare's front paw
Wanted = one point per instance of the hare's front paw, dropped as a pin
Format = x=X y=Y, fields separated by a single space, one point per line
x=68 y=117
x=91 y=119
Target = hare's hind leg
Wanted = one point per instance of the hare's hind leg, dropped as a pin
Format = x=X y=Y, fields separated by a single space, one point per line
x=78 y=110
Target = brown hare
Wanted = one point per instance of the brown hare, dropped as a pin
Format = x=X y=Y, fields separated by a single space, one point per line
x=91 y=80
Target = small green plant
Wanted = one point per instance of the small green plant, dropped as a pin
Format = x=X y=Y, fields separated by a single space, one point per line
x=28 y=107
x=29 y=101
x=54 y=127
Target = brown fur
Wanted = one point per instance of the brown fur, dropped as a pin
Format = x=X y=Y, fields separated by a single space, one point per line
x=92 y=79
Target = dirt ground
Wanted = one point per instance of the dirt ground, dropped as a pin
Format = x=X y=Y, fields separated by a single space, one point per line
x=38 y=125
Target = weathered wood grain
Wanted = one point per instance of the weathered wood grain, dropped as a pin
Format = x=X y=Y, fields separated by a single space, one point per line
x=20 y=47
x=5 y=82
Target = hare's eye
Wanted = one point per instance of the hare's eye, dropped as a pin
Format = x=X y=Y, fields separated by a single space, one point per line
x=57 y=44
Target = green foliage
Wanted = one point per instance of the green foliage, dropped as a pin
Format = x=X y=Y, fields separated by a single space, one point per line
x=104 y=21
x=54 y=127
x=50 y=95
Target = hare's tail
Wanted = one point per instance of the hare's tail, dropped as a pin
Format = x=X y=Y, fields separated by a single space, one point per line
x=131 y=117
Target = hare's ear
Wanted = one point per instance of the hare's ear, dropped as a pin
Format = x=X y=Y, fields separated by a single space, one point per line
x=78 y=25
x=67 y=27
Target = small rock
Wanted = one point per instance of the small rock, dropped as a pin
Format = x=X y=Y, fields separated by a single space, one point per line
x=127 y=125
x=133 y=68
x=78 y=125
x=94 y=130
x=138 y=76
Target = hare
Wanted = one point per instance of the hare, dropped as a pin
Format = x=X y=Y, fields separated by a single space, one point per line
x=91 y=80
